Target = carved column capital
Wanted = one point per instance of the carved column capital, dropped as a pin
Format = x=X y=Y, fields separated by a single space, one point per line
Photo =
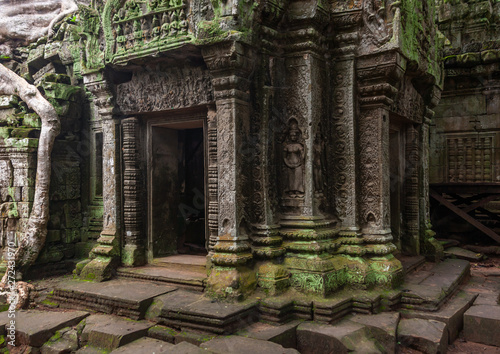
x=102 y=94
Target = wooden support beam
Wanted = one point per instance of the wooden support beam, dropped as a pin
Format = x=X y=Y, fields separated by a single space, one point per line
x=465 y=216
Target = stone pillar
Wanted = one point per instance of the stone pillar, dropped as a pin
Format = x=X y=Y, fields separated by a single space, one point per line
x=267 y=243
x=133 y=253
x=411 y=238
x=376 y=74
x=230 y=63
x=429 y=246
x=306 y=226
x=105 y=256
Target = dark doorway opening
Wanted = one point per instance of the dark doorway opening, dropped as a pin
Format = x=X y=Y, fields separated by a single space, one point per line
x=177 y=187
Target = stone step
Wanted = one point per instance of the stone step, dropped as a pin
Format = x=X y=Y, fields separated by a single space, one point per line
x=180 y=278
x=123 y=297
x=411 y=263
x=185 y=309
x=242 y=345
x=34 y=327
x=184 y=262
x=426 y=336
x=482 y=324
x=451 y=313
x=108 y=332
x=429 y=288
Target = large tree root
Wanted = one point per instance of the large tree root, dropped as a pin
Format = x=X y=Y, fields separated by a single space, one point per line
x=33 y=240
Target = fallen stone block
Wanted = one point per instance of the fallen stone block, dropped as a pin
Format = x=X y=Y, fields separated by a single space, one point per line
x=242 y=345
x=344 y=337
x=427 y=336
x=64 y=341
x=35 y=327
x=144 y=345
x=381 y=327
x=284 y=335
x=482 y=324
x=108 y=332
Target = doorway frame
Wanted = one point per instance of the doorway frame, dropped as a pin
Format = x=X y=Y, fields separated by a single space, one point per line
x=191 y=118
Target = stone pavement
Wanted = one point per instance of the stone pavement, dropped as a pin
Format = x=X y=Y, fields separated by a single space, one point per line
x=173 y=320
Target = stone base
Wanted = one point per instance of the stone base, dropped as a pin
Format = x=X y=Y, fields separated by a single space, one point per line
x=99 y=269
x=231 y=283
x=273 y=278
x=385 y=271
x=133 y=256
x=321 y=274
x=433 y=250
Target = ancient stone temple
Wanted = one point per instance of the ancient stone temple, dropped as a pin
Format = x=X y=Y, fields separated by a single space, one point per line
x=465 y=143
x=285 y=140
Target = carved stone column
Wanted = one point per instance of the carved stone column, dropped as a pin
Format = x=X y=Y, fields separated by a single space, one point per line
x=429 y=246
x=307 y=225
x=376 y=74
x=230 y=63
x=133 y=253
x=105 y=255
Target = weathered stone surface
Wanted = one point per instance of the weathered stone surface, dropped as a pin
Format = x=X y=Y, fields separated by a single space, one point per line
x=188 y=309
x=163 y=333
x=284 y=335
x=452 y=313
x=463 y=254
x=119 y=296
x=430 y=289
x=382 y=327
x=64 y=341
x=482 y=324
x=186 y=348
x=242 y=345
x=109 y=332
x=343 y=337
x=174 y=277
x=428 y=336
x=193 y=337
x=144 y=345
x=35 y=327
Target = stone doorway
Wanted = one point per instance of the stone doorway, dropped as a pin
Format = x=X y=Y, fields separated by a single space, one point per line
x=176 y=184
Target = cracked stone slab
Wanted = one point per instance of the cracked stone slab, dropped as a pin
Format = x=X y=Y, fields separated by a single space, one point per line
x=482 y=324
x=34 y=327
x=427 y=336
x=382 y=327
x=344 y=337
x=242 y=345
x=144 y=345
x=110 y=332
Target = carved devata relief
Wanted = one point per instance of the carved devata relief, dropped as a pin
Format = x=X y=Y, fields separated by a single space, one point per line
x=293 y=158
x=377 y=18
x=139 y=24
